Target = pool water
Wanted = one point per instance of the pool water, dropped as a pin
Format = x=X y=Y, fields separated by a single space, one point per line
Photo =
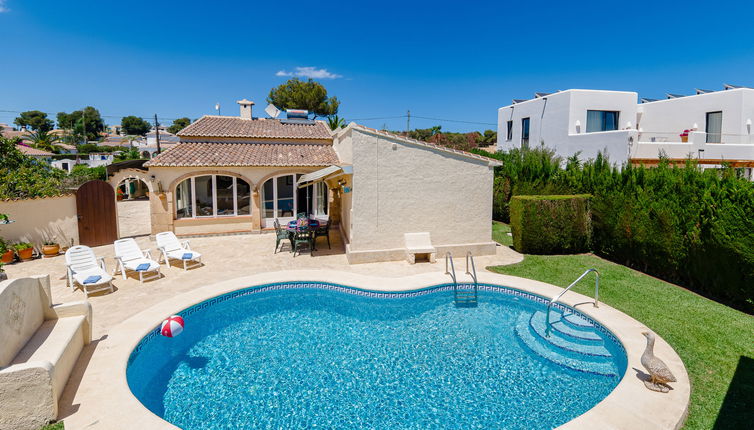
x=312 y=357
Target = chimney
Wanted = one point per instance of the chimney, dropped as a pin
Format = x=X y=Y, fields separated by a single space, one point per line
x=245 y=108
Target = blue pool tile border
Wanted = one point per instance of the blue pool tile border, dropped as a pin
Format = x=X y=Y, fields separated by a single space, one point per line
x=368 y=293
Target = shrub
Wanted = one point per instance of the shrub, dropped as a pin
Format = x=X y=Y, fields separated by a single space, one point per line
x=551 y=224
x=681 y=223
x=20 y=246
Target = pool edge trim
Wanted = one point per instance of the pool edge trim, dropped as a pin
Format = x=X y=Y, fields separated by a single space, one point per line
x=629 y=405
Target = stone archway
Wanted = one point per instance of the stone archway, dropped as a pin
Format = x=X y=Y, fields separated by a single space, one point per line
x=134 y=214
x=138 y=174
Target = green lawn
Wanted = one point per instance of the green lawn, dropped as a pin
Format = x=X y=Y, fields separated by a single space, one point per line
x=57 y=426
x=500 y=233
x=715 y=342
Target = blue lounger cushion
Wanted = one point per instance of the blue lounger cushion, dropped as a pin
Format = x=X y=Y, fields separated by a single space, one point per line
x=142 y=267
x=188 y=256
x=92 y=279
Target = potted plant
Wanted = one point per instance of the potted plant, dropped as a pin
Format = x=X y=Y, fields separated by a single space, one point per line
x=50 y=248
x=685 y=136
x=24 y=250
x=6 y=253
x=119 y=194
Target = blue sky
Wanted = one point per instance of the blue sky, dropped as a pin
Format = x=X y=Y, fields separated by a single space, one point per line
x=457 y=61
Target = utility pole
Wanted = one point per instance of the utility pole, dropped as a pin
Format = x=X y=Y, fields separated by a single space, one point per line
x=157 y=133
x=83 y=123
x=408 y=122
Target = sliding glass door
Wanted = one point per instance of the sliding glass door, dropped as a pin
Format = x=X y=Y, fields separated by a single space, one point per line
x=282 y=200
x=714 y=127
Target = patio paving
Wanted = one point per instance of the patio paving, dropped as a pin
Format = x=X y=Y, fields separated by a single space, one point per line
x=131 y=218
x=224 y=258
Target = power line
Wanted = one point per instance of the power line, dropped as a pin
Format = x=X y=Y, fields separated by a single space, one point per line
x=408 y=116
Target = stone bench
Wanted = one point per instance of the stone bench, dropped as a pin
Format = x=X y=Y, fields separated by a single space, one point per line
x=419 y=244
x=40 y=345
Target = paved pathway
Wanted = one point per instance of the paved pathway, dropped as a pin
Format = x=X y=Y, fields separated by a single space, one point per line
x=224 y=257
x=133 y=218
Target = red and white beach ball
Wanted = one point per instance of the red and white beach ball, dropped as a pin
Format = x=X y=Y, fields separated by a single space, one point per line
x=172 y=326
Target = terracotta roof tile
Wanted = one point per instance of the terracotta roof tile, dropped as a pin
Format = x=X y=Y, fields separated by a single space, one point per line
x=27 y=150
x=266 y=128
x=201 y=154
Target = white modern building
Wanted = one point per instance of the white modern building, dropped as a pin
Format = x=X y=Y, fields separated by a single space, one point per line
x=92 y=160
x=711 y=126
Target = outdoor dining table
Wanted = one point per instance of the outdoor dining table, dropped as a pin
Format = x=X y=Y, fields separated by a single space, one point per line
x=313 y=225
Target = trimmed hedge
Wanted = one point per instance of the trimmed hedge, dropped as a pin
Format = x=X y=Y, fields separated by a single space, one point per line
x=551 y=224
x=680 y=223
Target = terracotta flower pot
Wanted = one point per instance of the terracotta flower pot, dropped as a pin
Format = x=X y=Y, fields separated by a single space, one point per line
x=684 y=139
x=51 y=250
x=25 y=254
x=7 y=257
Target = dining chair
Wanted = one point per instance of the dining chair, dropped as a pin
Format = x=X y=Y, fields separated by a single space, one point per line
x=323 y=230
x=302 y=238
x=281 y=235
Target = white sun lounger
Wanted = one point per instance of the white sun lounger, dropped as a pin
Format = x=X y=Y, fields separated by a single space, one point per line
x=86 y=270
x=172 y=249
x=129 y=256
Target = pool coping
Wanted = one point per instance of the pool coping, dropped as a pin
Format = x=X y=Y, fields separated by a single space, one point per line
x=630 y=405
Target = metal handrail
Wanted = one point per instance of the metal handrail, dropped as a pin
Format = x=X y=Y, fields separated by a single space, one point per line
x=449 y=256
x=473 y=267
x=596 y=289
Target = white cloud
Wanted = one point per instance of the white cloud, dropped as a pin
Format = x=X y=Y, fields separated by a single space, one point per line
x=3 y=7
x=308 y=72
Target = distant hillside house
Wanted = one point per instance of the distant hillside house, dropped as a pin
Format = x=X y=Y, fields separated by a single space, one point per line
x=240 y=174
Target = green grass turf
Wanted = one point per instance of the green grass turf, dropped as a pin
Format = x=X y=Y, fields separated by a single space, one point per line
x=715 y=342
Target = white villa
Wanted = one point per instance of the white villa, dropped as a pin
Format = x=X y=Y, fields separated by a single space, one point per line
x=711 y=126
x=94 y=159
x=239 y=174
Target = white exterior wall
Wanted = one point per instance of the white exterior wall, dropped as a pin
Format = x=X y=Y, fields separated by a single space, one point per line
x=558 y=121
x=400 y=187
x=665 y=120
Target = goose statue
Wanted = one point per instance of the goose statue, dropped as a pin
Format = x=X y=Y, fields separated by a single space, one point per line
x=659 y=374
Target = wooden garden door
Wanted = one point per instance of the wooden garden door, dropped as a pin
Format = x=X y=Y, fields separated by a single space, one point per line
x=95 y=204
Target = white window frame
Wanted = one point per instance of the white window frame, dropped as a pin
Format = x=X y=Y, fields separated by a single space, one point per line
x=267 y=220
x=194 y=205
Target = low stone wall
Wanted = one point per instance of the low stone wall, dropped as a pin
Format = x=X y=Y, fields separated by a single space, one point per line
x=40 y=219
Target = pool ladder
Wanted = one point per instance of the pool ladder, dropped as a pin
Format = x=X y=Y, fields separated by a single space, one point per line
x=463 y=298
x=556 y=298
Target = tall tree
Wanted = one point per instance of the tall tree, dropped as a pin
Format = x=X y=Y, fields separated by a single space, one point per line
x=309 y=95
x=178 y=125
x=134 y=125
x=87 y=119
x=34 y=120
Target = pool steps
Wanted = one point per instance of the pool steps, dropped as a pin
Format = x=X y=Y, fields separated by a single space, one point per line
x=569 y=342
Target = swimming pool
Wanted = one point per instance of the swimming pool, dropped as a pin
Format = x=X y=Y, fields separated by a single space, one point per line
x=317 y=354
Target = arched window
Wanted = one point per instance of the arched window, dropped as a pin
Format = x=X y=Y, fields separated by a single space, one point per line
x=282 y=199
x=212 y=196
